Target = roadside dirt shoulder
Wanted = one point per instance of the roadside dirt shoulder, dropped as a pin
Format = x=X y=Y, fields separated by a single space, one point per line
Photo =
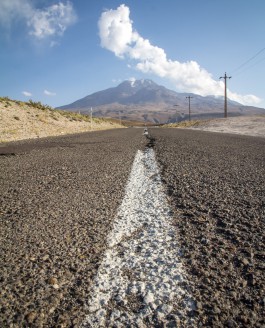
x=245 y=125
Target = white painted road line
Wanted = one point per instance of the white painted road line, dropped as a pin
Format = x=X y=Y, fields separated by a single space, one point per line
x=139 y=282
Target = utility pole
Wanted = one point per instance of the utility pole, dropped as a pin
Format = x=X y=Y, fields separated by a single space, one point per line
x=120 y=117
x=225 y=106
x=189 y=97
x=176 y=111
x=91 y=118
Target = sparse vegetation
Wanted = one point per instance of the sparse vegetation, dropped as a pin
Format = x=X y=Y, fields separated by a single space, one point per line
x=39 y=105
x=4 y=99
x=18 y=102
x=75 y=116
x=23 y=120
x=10 y=131
x=184 y=124
x=54 y=117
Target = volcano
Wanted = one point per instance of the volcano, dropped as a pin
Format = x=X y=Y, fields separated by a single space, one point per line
x=144 y=100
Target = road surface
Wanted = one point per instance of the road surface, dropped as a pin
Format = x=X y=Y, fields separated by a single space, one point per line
x=65 y=225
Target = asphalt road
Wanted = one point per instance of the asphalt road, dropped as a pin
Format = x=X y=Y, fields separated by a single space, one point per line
x=216 y=184
x=59 y=197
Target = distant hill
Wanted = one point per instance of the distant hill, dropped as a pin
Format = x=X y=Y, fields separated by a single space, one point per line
x=144 y=100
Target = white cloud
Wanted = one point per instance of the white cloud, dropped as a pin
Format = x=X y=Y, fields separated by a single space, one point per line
x=117 y=35
x=27 y=94
x=52 y=20
x=42 y=23
x=246 y=99
x=132 y=79
x=11 y=10
x=49 y=93
x=115 y=29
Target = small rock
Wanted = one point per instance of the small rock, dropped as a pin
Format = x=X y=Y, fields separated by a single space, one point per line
x=233 y=294
x=52 y=309
x=149 y=298
x=245 y=261
x=251 y=279
x=56 y=286
x=244 y=283
x=53 y=281
x=45 y=257
x=115 y=314
x=216 y=309
x=64 y=323
x=163 y=311
x=31 y=316
x=230 y=324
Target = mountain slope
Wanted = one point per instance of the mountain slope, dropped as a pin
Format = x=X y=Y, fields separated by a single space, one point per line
x=126 y=93
x=147 y=101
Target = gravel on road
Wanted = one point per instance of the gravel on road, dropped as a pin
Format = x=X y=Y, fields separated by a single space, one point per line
x=216 y=187
x=59 y=197
x=59 y=200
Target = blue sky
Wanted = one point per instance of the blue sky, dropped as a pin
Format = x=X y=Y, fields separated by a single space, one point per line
x=59 y=51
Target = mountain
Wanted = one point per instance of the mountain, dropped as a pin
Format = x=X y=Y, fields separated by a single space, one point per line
x=126 y=93
x=144 y=100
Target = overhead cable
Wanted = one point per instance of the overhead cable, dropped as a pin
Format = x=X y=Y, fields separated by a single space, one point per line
x=248 y=61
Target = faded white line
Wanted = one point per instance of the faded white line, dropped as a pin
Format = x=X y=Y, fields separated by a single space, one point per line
x=140 y=280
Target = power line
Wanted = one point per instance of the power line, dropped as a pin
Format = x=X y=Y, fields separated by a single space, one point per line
x=247 y=61
x=248 y=67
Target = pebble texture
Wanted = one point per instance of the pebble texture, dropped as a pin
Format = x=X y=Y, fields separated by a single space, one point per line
x=216 y=187
x=59 y=201
x=59 y=197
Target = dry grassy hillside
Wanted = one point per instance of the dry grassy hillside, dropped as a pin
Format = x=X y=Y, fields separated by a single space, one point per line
x=24 y=120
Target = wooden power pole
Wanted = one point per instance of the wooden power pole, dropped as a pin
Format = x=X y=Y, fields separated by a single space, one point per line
x=189 y=97
x=225 y=106
x=91 y=111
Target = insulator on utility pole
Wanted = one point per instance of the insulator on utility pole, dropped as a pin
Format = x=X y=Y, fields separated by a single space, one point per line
x=189 y=97
x=225 y=105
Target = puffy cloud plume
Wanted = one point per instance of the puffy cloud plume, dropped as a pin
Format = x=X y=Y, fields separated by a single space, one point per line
x=117 y=35
x=49 y=93
x=27 y=94
x=115 y=29
x=42 y=23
